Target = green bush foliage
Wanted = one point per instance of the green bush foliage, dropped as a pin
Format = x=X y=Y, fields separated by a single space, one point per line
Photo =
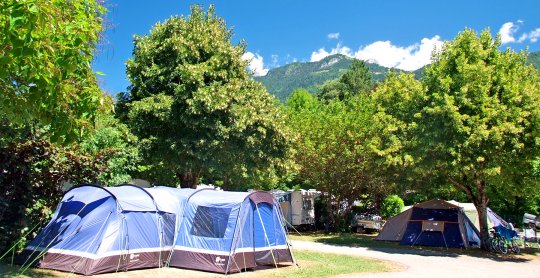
x=391 y=206
x=33 y=170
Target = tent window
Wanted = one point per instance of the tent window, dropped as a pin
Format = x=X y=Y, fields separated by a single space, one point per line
x=210 y=222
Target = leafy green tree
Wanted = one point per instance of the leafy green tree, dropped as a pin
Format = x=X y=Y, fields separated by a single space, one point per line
x=398 y=99
x=196 y=109
x=391 y=206
x=333 y=150
x=482 y=121
x=301 y=100
x=357 y=80
x=333 y=89
x=112 y=149
x=45 y=76
x=30 y=188
x=478 y=122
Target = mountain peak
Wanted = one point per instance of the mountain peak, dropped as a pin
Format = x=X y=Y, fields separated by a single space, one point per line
x=281 y=81
x=331 y=60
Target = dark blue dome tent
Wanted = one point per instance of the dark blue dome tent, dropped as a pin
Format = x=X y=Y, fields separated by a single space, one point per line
x=432 y=223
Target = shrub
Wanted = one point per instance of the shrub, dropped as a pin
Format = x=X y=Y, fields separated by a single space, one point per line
x=391 y=206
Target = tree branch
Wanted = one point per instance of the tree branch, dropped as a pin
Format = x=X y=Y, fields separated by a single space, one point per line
x=463 y=187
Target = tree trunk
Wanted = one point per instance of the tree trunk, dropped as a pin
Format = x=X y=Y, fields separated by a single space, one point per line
x=481 y=202
x=187 y=179
x=482 y=218
x=329 y=216
x=225 y=185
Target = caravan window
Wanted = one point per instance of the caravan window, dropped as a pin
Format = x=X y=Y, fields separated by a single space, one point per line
x=307 y=204
x=210 y=222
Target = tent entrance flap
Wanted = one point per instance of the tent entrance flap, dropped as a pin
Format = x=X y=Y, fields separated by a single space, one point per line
x=264 y=236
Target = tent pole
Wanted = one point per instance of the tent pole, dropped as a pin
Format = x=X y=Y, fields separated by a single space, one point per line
x=282 y=223
x=175 y=237
x=160 y=234
x=417 y=238
x=234 y=242
x=122 y=238
x=266 y=235
x=444 y=239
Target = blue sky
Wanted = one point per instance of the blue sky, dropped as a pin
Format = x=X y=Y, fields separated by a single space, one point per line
x=397 y=34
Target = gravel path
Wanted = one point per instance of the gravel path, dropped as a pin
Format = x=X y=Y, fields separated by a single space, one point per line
x=421 y=263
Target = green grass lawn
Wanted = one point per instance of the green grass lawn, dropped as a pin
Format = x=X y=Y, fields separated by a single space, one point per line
x=345 y=239
x=6 y=270
x=315 y=264
x=311 y=264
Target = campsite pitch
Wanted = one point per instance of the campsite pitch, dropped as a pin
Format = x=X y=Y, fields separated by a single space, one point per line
x=423 y=261
x=312 y=264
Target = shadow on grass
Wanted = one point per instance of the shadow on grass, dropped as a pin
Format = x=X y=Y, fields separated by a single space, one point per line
x=367 y=241
x=7 y=270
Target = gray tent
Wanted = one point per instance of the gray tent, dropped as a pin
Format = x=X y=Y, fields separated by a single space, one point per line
x=431 y=223
x=395 y=227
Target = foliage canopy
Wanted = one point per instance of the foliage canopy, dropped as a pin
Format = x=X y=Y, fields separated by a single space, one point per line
x=473 y=120
x=45 y=74
x=356 y=80
x=333 y=151
x=195 y=107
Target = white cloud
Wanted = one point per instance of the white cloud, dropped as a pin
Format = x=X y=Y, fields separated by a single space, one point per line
x=322 y=53
x=256 y=63
x=387 y=54
x=509 y=29
x=522 y=38
x=319 y=55
x=507 y=32
x=333 y=36
x=532 y=36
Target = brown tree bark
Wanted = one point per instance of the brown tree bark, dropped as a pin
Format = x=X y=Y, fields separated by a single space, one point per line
x=479 y=199
x=225 y=185
x=187 y=179
x=481 y=202
x=482 y=218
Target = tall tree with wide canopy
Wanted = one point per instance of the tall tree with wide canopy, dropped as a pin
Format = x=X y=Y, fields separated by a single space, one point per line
x=356 y=80
x=196 y=108
x=477 y=124
x=334 y=152
x=46 y=48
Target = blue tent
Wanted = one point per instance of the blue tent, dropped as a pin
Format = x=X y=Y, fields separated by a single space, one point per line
x=105 y=229
x=229 y=231
x=438 y=223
